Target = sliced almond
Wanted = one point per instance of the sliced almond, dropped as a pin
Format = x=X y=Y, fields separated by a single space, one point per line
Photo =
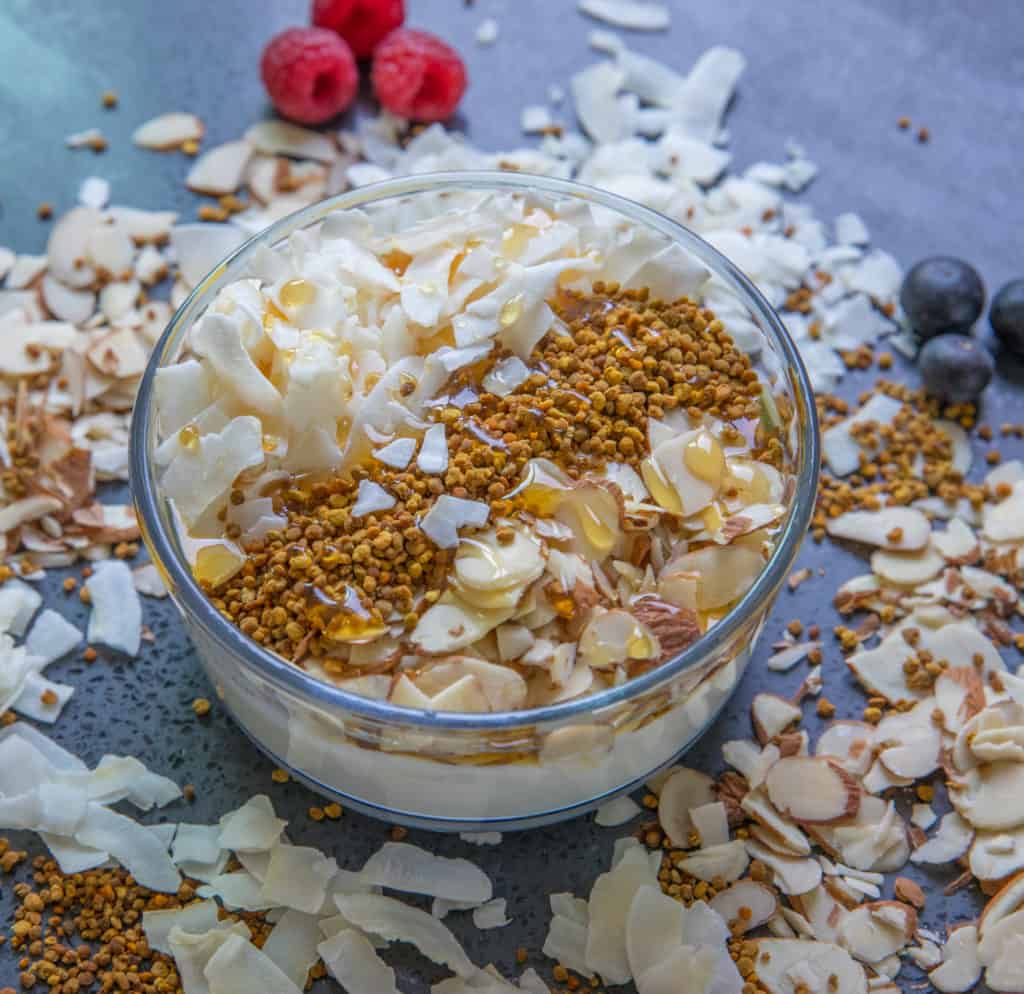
x=683 y=790
x=67 y=250
x=275 y=137
x=727 y=862
x=813 y=790
x=65 y=303
x=950 y=842
x=848 y=743
x=675 y=628
x=899 y=529
x=822 y=911
x=745 y=905
x=960 y=969
x=168 y=131
x=759 y=807
x=907 y=569
x=219 y=170
x=772 y=715
x=997 y=855
x=875 y=931
x=785 y=965
x=959 y=696
x=1006 y=901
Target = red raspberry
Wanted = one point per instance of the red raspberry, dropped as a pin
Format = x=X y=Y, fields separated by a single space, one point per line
x=417 y=75
x=309 y=74
x=362 y=23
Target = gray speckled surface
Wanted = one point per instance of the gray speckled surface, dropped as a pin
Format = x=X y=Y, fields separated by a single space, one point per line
x=833 y=76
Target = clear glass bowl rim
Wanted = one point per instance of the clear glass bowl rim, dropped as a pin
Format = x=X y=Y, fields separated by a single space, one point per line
x=319 y=694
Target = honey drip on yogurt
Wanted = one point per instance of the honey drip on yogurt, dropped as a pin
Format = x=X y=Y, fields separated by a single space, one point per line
x=345 y=619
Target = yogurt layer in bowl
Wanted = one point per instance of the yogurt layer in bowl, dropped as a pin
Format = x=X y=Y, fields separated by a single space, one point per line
x=479 y=489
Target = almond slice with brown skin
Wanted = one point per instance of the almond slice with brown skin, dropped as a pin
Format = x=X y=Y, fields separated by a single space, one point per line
x=876 y=931
x=792 y=874
x=759 y=807
x=960 y=969
x=772 y=715
x=849 y=744
x=682 y=791
x=812 y=789
x=1007 y=900
x=745 y=905
x=220 y=170
x=168 y=131
x=784 y=966
x=899 y=529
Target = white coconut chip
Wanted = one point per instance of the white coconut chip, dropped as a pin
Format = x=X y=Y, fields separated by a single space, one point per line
x=238 y=890
x=116 y=616
x=371 y=498
x=351 y=959
x=408 y=868
x=131 y=844
x=18 y=604
x=535 y=119
x=433 y=455
x=198 y=248
x=51 y=637
x=292 y=945
x=398 y=922
x=253 y=827
x=481 y=838
x=94 y=192
x=238 y=967
x=196 y=844
x=728 y=861
x=785 y=659
x=506 y=376
x=168 y=131
x=397 y=454
x=617 y=812
x=851 y=230
x=148 y=581
x=594 y=90
x=636 y=15
x=42 y=699
x=448 y=514
x=297 y=877
x=491 y=915
x=487 y=31
x=197 y=917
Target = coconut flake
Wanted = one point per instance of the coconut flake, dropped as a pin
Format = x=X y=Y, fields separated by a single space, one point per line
x=404 y=867
x=197 y=917
x=148 y=581
x=617 y=812
x=433 y=456
x=487 y=31
x=275 y=137
x=94 y=192
x=491 y=915
x=116 y=617
x=131 y=844
x=238 y=967
x=41 y=699
x=297 y=877
x=370 y=499
x=397 y=454
x=18 y=604
x=351 y=959
x=448 y=514
x=198 y=248
x=253 y=827
x=390 y=919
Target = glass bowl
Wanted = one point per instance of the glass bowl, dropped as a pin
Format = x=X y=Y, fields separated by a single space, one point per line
x=453 y=771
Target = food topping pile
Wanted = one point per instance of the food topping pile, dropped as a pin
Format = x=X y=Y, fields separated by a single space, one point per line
x=811 y=864
x=462 y=437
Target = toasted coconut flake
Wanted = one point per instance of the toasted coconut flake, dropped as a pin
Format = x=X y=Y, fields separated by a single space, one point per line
x=168 y=131
x=898 y=529
x=393 y=920
x=683 y=790
x=960 y=969
x=116 y=618
x=351 y=959
x=408 y=868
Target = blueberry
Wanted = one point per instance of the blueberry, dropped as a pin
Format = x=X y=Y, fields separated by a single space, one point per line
x=942 y=295
x=955 y=368
x=1007 y=316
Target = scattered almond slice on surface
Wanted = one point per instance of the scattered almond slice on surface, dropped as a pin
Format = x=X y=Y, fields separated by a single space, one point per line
x=219 y=170
x=772 y=715
x=813 y=790
x=169 y=131
x=898 y=529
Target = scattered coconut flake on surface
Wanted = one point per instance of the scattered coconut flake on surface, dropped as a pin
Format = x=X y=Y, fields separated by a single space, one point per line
x=404 y=867
x=116 y=617
x=617 y=812
x=254 y=827
x=481 y=838
x=148 y=581
x=637 y=15
x=51 y=637
x=351 y=959
x=487 y=31
x=94 y=192
x=492 y=914
x=535 y=119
